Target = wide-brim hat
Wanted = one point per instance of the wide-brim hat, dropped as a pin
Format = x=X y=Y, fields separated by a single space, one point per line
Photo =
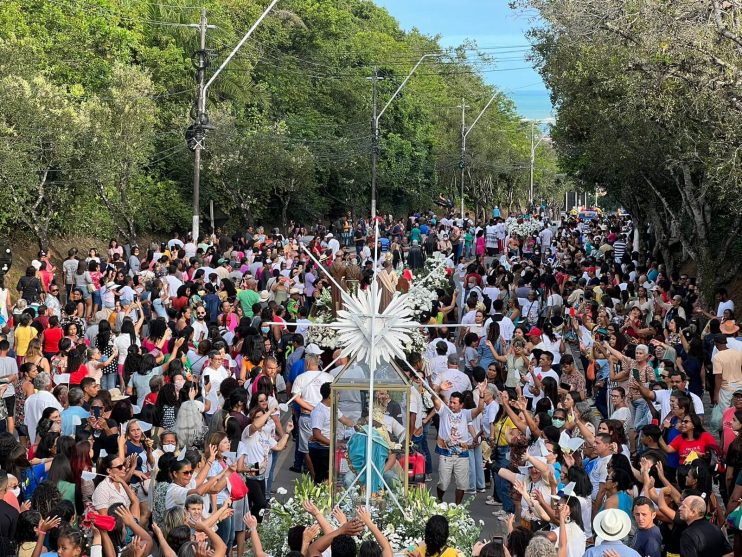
x=264 y=295
x=611 y=525
x=729 y=327
x=117 y=395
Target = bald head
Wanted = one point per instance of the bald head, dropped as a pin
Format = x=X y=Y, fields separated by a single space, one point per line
x=692 y=508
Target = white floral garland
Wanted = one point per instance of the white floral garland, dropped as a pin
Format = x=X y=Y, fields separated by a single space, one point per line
x=523 y=229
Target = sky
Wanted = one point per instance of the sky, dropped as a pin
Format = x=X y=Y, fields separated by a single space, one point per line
x=493 y=25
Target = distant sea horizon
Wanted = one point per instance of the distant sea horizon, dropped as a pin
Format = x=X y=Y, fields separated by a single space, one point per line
x=534 y=104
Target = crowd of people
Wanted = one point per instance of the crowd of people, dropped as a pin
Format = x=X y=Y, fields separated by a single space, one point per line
x=570 y=382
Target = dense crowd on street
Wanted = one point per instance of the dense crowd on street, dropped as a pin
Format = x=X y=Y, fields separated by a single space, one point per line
x=588 y=396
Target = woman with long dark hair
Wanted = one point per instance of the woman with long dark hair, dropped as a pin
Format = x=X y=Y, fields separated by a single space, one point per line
x=82 y=461
x=104 y=342
x=62 y=476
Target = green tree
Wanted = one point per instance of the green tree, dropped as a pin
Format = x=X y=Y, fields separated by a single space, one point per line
x=120 y=140
x=647 y=100
x=41 y=132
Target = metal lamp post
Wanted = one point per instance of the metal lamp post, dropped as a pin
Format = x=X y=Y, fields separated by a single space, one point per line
x=375 y=126
x=464 y=133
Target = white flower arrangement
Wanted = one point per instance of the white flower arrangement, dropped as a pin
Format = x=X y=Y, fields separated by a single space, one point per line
x=323 y=336
x=522 y=229
x=402 y=529
x=422 y=292
x=415 y=342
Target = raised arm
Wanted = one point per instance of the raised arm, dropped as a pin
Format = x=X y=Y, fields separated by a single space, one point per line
x=365 y=517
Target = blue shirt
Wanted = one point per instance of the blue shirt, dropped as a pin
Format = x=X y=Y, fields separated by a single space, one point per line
x=68 y=421
x=618 y=547
x=648 y=542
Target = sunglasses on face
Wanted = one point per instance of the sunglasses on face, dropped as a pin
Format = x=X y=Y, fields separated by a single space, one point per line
x=186 y=472
x=118 y=467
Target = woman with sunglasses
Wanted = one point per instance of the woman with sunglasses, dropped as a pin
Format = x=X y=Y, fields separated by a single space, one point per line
x=111 y=483
x=183 y=483
x=692 y=438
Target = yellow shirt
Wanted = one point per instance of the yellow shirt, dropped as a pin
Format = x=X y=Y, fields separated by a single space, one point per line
x=23 y=336
x=501 y=429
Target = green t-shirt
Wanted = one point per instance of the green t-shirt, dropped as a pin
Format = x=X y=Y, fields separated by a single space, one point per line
x=247 y=298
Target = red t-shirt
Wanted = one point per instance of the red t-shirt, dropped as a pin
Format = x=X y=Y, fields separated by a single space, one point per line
x=701 y=445
x=76 y=377
x=151 y=398
x=52 y=336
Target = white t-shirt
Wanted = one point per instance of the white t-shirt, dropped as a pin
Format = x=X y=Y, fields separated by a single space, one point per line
x=623 y=415
x=320 y=419
x=460 y=380
x=200 y=331
x=416 y=406
x=729 y=304
x=540 y=374
x=454 y=428
x=575 y=540
x=431 y=352
x=545 y=236
x=216 y=376
x=8 y=367
x=598 y=474
x=256 y=448
x=663 y=398
x=176 y=495
x=307 y=385
x=552 y=346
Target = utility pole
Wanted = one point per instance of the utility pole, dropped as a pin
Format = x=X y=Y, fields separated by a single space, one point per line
x=203 y=62
x=374 y=142
x=462 y=161
x=197 y=130
x=375 y=124
x=464 y=132
x=533 y=161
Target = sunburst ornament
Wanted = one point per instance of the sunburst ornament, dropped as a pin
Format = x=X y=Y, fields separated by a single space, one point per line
x=369 y=335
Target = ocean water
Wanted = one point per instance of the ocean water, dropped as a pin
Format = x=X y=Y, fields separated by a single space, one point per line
x=533 y=103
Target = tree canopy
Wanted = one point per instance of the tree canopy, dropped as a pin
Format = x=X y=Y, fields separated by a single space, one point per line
x=648 y=107
x=102 y=91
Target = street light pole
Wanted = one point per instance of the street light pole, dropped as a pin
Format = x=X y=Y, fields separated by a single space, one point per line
x=202 y=55
x=464 y=132
x=374 y=143
x=462 y=162
x=375 y=126
x=201 y=123
x=534 y=145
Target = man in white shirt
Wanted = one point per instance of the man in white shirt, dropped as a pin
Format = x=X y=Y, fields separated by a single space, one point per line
x=306 y=389
x=9 y=374
x=536 y=375
x=200 y=328
x=431 y=351
x=455 y=435
x=332 y=243
x=173 y=282
x=457 y=380
x=545 y=237
x=211 y=378
x=38 y=402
